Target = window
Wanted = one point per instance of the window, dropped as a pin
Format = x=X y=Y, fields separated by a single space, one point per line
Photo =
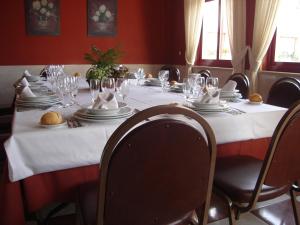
x=215 y=40
x=285 y=47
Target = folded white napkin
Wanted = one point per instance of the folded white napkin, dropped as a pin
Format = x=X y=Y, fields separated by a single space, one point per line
x=210 y=98
x=105 y=101
x=26 y=92
x=26 y=73
x=23 y=82
x=229 y=86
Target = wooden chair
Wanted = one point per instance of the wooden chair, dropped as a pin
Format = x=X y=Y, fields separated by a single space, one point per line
x=150 y=173
x=205 y=73
x=243 y=83
x=244 y=180
x=284 y=92
x=174 y=73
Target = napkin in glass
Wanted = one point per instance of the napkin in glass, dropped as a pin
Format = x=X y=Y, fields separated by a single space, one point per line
x=26 y=74
x=102 y=102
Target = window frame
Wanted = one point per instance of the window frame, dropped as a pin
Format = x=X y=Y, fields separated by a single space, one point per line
x=212 y=62
x=272 y=65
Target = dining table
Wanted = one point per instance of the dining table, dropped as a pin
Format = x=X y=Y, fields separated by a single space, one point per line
x=46 y=165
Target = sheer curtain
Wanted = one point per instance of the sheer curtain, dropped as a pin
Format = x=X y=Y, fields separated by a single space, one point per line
x=265 y=22
x=193 y=13
x=236 y=20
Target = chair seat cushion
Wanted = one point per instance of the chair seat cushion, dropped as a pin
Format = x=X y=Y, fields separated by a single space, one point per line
x=88 y=194
x=236 y=176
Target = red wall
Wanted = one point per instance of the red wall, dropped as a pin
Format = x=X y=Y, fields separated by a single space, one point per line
x=142 y=33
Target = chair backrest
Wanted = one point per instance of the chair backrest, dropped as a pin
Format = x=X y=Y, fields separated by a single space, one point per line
x=284 y=92
x=205 y=73
x=243 y=83
x=174 y=73
x=159 y=171
x=281 y=165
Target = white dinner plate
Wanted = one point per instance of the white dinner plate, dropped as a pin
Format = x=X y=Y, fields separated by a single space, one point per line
x=63 y=124
x=152 y=82
x=254 y=103
x=124 y=112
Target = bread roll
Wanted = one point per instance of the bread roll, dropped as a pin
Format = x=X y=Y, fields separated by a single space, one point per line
x=255 y=97
x=51 y=118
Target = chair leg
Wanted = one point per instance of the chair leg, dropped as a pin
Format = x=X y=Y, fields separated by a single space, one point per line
x=295 y=207
x=231 y=216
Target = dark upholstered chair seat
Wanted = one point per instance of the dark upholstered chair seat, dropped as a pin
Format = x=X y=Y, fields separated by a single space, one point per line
x=237 y=176
x=88 y=205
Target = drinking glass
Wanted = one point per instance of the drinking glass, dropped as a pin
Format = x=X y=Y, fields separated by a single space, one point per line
x=212 y=84
x=122 y=87
x=139 y=75
x=108 y=85
x=163 y=76
x=199 y=85
x=186 y=88
x=74 y=85
x=94 y=88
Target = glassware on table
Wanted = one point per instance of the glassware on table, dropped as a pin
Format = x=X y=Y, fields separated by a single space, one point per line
x=186 y=88
x=212 y=84
x=108 y=85
x=74 y=85
x=122 y=87
x=95 y=85
x=163 y=76
x=198 y=86
x=139 y=75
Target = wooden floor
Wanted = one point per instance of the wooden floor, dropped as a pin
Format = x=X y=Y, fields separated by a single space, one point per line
x=275 y=212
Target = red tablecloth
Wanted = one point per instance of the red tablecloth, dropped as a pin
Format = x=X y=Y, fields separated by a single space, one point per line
x=33 y=193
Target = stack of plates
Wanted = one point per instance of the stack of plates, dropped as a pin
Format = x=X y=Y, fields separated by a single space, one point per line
x=152 y=82
x=205 y=108
x=230 y=95
x=98 y=115
x=38 y=101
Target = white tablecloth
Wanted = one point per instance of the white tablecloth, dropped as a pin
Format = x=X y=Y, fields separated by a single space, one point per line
x=32 y=149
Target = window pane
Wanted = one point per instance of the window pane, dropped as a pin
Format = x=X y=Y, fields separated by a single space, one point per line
x=288 y=33
x=224 y=47
x=210 y=30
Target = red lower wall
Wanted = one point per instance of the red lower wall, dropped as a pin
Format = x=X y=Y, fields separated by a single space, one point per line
x=141 y=33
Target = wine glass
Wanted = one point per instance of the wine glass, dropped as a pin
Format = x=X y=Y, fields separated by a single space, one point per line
x=74 y=85
x=94 y=88
x=122 y=87
x=108 y=85
x=212 y=84
x=163 y=76
x=199 y=85
x=139 y=75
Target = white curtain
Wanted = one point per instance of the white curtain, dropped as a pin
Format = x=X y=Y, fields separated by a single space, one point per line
x=193 y=14
x=236 y=23
x=265 y=21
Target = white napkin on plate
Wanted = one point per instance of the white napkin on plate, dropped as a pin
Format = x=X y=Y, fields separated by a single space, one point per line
x=26 y=74
x=210 y=98
x=229 y=86
x=101 y=102
x=26 y=92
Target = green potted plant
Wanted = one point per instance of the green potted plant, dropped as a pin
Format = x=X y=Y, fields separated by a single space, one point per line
x=103 y=62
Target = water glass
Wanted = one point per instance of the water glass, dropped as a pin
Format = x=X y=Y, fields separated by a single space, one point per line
x=212 y=84
x=108 y=85
x=186 y=88
x=122 y=87
x=163 y=76
x=198 y=86
x=139 y=75
x=94 y=88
